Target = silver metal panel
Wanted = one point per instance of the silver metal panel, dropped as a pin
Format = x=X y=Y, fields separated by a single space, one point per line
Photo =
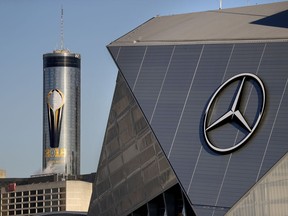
x=132 y=61
x=148 y=75
x=173 y=94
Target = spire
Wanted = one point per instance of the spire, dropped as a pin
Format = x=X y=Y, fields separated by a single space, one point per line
x=62 y=29
x=61 y=49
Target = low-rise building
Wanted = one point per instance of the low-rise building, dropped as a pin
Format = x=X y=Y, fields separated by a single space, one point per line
x=34 y=197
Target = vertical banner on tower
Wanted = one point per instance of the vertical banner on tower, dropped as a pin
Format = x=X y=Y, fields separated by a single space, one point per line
x=55 y=105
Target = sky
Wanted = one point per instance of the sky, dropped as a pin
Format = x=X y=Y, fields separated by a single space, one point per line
x=31 y=28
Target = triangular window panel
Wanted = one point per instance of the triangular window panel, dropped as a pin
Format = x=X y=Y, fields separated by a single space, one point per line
x=133 y=169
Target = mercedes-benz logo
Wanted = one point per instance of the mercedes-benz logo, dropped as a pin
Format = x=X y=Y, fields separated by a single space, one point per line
x=234 y=114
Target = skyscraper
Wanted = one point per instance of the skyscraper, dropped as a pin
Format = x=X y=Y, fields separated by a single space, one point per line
x=61 y=112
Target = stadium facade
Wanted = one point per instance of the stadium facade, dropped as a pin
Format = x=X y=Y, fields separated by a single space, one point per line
x=61 y=112
x=198 y=121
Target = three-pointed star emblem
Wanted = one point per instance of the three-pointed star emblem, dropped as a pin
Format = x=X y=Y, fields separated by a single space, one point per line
x=234 y=114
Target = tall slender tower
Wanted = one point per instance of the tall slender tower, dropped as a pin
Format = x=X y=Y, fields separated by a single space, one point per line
x=61 y=111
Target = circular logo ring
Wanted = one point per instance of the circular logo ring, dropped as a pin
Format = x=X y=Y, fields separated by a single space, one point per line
x=233 y=112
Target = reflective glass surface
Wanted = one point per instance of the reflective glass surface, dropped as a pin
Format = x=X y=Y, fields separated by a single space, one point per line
x=268 y=197
x=132 y=168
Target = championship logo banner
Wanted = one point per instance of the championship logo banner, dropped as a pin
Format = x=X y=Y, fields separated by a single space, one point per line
x=55 y=103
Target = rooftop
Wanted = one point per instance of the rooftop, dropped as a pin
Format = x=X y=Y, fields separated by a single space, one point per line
x=258 y=22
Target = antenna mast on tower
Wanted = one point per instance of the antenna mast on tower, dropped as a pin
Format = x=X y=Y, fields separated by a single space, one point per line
x=220 y=7
x=62 y=30
x=61 y=48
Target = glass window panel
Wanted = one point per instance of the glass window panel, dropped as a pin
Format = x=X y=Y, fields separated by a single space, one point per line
x=55 y=196
x=54 y=190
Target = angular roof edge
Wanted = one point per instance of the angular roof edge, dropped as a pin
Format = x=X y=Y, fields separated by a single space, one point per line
x=244 y=24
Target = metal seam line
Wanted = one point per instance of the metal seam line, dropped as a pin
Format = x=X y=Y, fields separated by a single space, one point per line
x=201 y=146
x=228 y=63
x=221 y=186
x=274 y=122
x=118 y=53
x=190 y=183
x=261 y=58
x=227 y=166
x=187 y=96
x=162 y=84
x=140 y=68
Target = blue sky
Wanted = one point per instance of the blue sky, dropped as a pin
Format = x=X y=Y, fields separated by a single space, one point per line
x=30 y=28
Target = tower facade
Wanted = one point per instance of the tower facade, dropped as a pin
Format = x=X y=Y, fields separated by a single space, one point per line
x=61 y=112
